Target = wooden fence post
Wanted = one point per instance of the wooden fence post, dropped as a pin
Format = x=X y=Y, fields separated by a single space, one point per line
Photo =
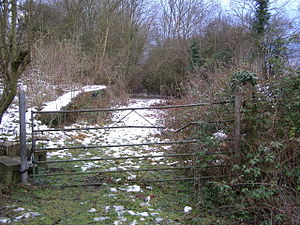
x=237 y=124
x=23 y=148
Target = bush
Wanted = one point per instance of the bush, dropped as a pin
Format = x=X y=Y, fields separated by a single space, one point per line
x=264 y=186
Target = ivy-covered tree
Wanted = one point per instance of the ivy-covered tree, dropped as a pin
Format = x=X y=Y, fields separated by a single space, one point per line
x=260 y=27
x=262 y=16
x=195 y=59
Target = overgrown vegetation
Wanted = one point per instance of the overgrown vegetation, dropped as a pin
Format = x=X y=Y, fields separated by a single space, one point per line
x=189 y=49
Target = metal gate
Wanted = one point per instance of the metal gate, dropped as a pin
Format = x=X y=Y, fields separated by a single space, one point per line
x=67 y=169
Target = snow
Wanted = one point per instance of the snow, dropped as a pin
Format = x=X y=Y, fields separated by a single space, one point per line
x=119 y=208
x=134 y=188
x=19 y=209
x=9 y=126
x=65 y=99
x=158 y=219
x=4 y=220
x=130 y=212
x=92 y=210
x=220 y=135
x=143 y=214
x=27 y=215
x=98 y=219
x=113 y=190
x=107 y=208
x=187 y=209
x=116 y=137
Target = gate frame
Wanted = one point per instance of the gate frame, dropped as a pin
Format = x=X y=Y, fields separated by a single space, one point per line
x=34 y=149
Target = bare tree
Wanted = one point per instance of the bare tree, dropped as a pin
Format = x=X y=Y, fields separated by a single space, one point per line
x=14 y=55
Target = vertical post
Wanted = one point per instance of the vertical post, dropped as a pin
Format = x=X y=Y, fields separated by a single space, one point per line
x=33 y=146
x=23 y=148
x=237 y=124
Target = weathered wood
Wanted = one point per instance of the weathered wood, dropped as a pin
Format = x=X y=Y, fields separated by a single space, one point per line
x=9 y=169
x=237 y=124
x=23 y=148
x=9 y=148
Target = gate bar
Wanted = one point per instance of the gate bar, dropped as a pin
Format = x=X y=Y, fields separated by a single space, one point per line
x=128 y=157
x=97 y=128
x=177 y=179
x=126 y=170
x=120 y=145
x=126 y=109
x=148 y=181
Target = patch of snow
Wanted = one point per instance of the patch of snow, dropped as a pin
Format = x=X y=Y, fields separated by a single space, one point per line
x=187 y=209
x=62 y=101
x=145 y=214
x=19 y=209
x=23 y=216
x=35 y=214
x=130 y=212
x=9 y=126
x=4 y=220
x=133 y=188
x=131 y=177
x=220 y=135
x=113 y=190
x=106 y=208
x=65 y=99
x=98 y=219
x=88 y=166
x=92 y=210
x=119 y=208
x=112 y=195
x=89 y=88
x=158 y=220
x=144 y=204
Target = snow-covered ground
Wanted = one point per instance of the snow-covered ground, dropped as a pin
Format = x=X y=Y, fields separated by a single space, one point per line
x=9 y=128
x=118 y=136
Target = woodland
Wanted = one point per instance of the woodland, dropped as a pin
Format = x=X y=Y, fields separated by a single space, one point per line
x=190 y=51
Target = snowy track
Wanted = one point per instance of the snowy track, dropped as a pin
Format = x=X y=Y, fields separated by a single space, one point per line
x=118 y=201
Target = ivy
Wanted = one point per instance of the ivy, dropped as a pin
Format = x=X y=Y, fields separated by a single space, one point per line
x=243 y=77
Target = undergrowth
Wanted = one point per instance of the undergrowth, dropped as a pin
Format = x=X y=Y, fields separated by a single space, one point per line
x=262 y=187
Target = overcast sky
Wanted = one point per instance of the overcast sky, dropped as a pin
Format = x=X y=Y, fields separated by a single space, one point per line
x=291 y=6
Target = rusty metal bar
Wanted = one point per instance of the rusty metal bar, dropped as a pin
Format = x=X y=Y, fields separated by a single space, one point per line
x=149 y=181
x=114 y=158
x=98 y=128
x=119 y=145
x=130 y=157
x=177 y=179
x=126 y=109
x=127 y=170
x=200 y=123
x=117 y=171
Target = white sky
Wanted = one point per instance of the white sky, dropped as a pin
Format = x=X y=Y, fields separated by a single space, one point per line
x=291 y=6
